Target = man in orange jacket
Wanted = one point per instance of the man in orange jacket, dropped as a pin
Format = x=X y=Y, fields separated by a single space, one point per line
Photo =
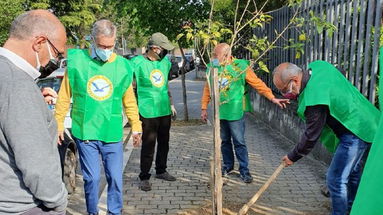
x=234 y=74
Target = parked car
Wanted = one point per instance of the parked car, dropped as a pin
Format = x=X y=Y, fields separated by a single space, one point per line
x=68 y=149
x=190 y=61
x=179 y=60
x=129 y=56
x=174 y=70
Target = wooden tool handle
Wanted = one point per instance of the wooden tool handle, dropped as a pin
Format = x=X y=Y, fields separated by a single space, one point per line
x=246 y=207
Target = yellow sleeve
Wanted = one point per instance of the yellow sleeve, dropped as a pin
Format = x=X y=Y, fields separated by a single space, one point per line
x=205 y=97
x=258 y=84
x=131 y=110
x=63 y=103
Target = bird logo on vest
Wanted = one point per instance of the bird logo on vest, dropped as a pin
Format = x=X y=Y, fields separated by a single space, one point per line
x=157 y=78
x=99 y=87
x=223 y=82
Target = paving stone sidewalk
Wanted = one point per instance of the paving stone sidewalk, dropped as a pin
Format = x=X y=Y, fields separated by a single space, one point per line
x=295 y=191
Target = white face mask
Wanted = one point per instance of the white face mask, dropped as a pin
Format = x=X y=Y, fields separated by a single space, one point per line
x=38 y=63
x=103 y=54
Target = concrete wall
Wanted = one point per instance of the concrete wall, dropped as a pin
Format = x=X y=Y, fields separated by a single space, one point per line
x=285 y=122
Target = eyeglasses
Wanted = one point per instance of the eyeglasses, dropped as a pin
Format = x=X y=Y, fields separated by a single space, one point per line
x=59 y=55
x=287 y=89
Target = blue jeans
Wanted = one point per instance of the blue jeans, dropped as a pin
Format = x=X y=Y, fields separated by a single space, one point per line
x=233 y=133
x=112 y=158
x=344 y=173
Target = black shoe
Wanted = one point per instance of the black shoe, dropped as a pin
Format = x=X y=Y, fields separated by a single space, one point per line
x=324 y=190
x=145 y=185
x=165 y=176
x=247 y=178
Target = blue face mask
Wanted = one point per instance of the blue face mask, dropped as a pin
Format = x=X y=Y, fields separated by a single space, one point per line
x=103 y=54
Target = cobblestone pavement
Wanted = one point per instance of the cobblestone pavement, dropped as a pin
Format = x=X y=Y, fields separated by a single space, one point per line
x=295 y=191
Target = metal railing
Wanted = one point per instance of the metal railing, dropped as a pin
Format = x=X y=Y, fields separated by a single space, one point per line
x=353 y=47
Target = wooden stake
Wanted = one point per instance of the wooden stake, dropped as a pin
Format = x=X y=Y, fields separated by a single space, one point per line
x=211 y=184
x=217 y=200
x=246 y=207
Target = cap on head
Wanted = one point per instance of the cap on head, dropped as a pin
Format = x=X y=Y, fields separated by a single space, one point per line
x=158 y=39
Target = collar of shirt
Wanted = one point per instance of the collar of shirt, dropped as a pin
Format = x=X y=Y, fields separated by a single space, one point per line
x=93 y=53
x=305 y=78
x=20 y=63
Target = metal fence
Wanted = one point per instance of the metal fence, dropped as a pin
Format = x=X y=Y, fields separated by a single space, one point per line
x=353 y=47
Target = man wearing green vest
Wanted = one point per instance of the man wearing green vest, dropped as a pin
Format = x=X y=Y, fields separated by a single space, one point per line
x=100 y=84
x=369 y=198
x=336 y=113
x=155 y=107
x=233 y=76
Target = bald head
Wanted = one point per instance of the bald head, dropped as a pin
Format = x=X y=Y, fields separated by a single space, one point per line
x=285 y=72
x=37 y=36
x=222 y=52
x=36 y=23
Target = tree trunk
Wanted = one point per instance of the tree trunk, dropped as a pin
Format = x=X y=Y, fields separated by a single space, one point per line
x=186 y=114
x=217 y=196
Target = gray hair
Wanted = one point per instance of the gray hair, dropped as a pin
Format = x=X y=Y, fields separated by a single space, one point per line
x=289 y=70
x=31 y=24
x=103 y=27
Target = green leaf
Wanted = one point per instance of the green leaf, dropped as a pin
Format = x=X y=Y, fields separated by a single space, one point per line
x=179 y=36
x=189 y=36
x=298 y=55
x=217 y=34
x=302 y=37
x=263 y=66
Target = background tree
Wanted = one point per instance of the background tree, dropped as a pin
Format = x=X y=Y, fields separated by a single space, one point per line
x=9 y=9
x=78 y=17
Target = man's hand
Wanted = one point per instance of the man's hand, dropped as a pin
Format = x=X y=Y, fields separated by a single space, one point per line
x=174 y=112
x=287 y=161
x=204 y=115
x=50 y=95
x=61 y=137
x=136 y=139
x=282 y=103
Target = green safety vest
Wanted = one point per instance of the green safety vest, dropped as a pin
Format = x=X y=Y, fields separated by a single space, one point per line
x=97 y=91
x=369 y=198
x=152 y=86
x=327 y=86
x=232 y=80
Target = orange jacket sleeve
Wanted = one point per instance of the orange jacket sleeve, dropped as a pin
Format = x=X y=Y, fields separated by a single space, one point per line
x=258 y=84
x=205 y=97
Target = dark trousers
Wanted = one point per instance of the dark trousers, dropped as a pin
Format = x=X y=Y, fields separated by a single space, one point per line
x=154 y=129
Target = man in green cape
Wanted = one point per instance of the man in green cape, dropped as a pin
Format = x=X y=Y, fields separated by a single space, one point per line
x=336 y=113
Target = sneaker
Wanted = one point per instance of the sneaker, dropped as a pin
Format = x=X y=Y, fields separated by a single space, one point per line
x=226 y=172
x=145 y=185
x=247 y=178
x=165 y=176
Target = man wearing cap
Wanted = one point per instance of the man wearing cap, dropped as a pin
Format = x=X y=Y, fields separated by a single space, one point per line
x=100 y=84
x=155 y=107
